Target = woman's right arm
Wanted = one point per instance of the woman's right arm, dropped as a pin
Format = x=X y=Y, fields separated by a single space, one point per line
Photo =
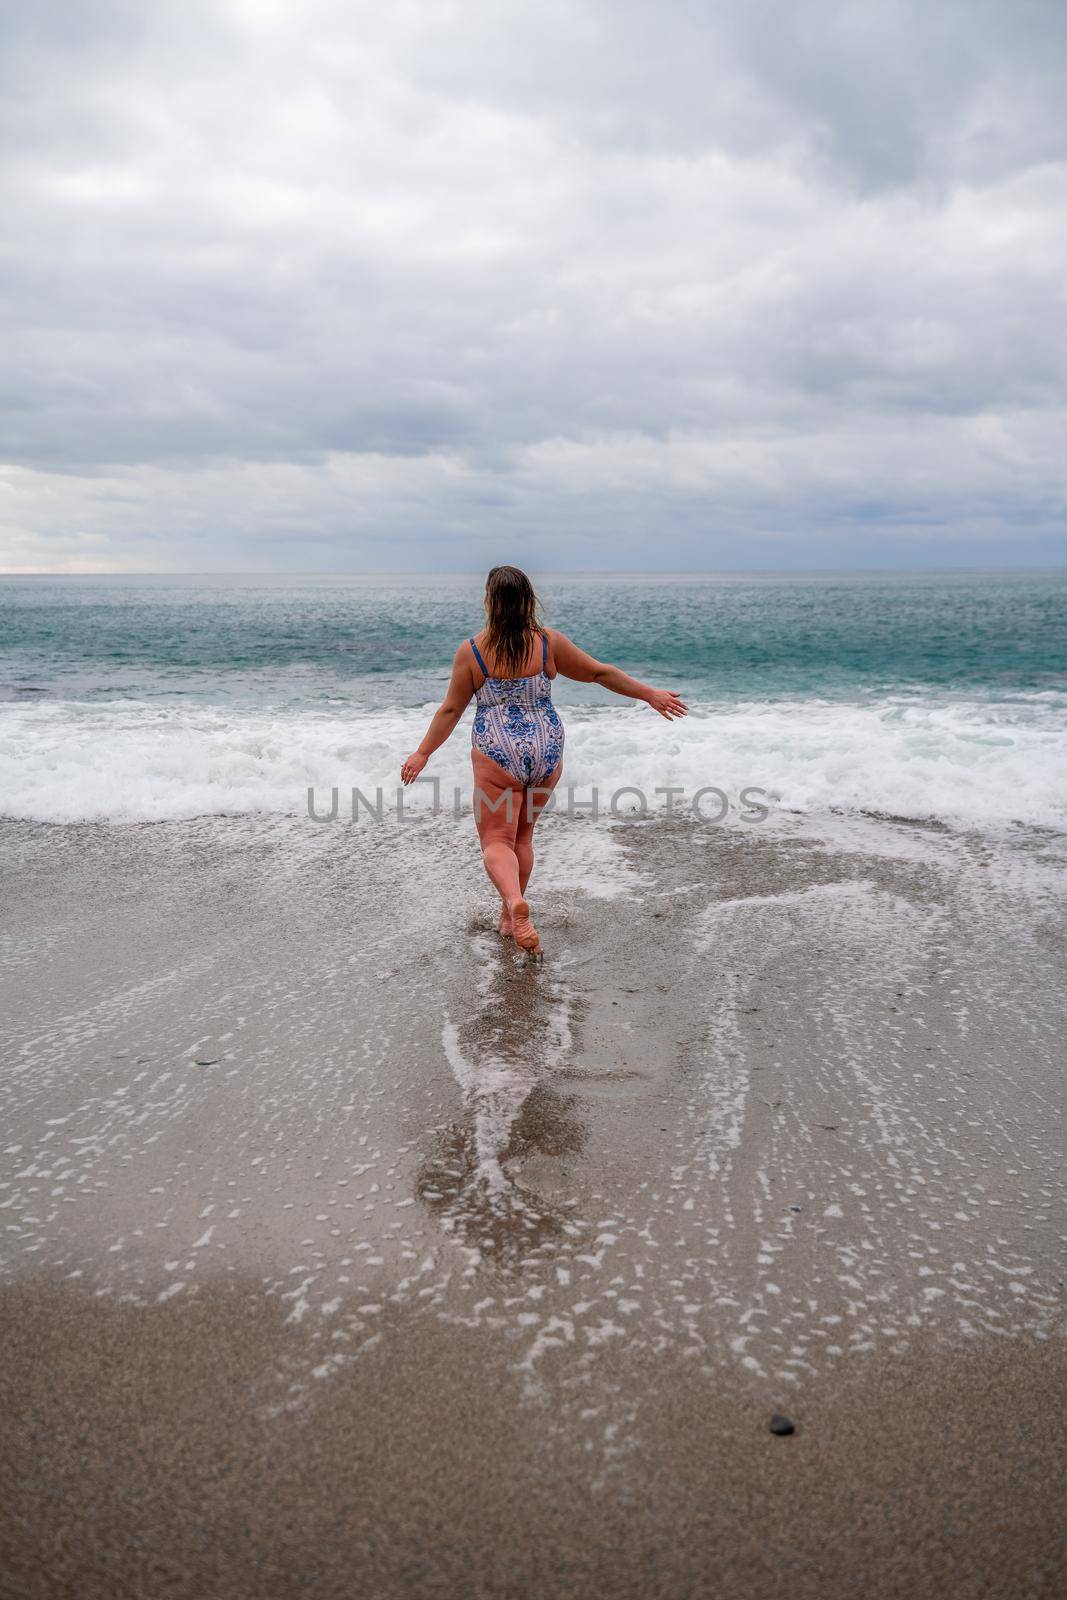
x=444 y=719
x=575 y=663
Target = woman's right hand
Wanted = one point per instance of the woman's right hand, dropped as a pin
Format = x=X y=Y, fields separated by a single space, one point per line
x=413 y=766
x=667 y=703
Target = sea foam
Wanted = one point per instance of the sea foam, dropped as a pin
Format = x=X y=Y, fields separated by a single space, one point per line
x=965 y=762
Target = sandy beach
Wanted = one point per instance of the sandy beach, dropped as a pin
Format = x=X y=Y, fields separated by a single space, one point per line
x=345 y=1252
x=660 y=408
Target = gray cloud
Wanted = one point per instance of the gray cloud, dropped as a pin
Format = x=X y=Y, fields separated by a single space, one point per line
x=683 y=285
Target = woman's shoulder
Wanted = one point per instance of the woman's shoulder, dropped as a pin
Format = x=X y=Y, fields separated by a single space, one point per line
x=466 y=652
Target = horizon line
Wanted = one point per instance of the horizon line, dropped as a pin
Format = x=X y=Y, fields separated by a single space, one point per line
x=548 y=572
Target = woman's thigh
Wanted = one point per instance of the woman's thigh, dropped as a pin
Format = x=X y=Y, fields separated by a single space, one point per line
x=534 y=801
x=498 y=801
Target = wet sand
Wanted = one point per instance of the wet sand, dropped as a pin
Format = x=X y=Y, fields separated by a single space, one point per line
x=345 y=1252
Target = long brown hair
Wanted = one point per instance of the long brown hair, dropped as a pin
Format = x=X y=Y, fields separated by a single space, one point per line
x=514 y=622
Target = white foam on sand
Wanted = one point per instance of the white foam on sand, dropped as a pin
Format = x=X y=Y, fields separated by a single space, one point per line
x=973 y=763
x=495 y=1087
x=579 y=854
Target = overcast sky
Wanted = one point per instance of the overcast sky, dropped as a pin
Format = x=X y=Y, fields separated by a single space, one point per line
x=593 y=284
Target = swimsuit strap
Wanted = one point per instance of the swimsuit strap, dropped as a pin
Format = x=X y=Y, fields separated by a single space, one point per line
x=481 y=663
x=544 y=652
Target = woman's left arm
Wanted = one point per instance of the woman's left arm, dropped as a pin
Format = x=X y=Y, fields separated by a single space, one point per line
x=448 y=713
x=575 y=663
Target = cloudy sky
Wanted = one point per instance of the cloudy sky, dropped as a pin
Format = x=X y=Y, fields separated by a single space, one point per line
x=594 y=284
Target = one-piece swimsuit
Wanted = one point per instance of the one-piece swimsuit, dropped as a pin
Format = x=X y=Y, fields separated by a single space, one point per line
x=516 y=725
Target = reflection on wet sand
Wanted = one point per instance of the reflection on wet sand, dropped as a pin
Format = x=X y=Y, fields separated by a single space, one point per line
x=513 y=1036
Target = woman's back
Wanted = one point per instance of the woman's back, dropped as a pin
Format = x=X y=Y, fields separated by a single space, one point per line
x=516 y=725
x=538 y=659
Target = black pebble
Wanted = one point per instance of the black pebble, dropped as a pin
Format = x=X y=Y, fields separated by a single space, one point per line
x=207 y=1061
x=780 y=1424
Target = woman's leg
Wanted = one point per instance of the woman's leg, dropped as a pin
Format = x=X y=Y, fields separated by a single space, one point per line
x=498 y=808
x=534 y=802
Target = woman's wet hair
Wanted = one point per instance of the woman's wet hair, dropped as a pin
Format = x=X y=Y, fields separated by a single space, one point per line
x=514 y=622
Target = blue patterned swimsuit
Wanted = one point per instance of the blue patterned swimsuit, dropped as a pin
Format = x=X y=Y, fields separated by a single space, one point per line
x=516 y=725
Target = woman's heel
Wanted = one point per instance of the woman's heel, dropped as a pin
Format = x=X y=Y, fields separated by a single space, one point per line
x=525 y=934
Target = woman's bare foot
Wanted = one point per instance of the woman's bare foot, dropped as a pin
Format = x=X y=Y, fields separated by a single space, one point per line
x=525 y=934
x=504 y=926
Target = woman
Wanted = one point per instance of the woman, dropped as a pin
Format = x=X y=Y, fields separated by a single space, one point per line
x=517 y=740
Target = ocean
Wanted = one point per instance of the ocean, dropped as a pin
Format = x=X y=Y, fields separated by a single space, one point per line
x=921 y=695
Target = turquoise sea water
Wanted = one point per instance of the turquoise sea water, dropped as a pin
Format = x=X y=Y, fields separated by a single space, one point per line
x=383 y=640
x=925 y=695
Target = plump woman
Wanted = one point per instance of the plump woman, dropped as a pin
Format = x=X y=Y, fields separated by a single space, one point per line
x=517 y=739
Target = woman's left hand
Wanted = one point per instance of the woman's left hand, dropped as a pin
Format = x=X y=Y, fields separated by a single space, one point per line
x=413 y=766
x=667 y=703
